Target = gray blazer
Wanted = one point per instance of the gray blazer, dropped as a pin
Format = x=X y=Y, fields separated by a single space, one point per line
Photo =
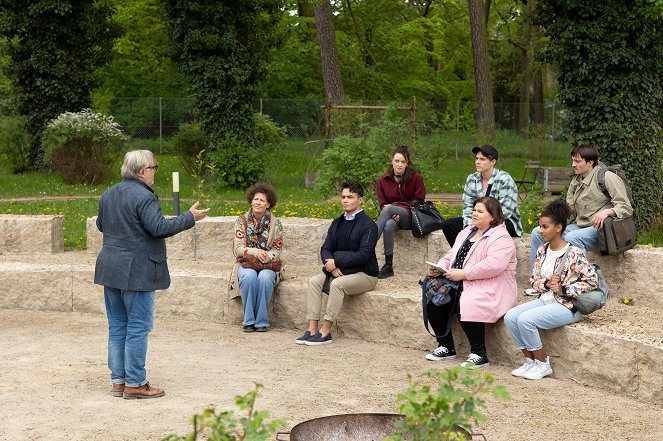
x=133 y=256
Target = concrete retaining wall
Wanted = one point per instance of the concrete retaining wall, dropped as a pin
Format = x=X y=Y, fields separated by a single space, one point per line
x=601 y=350
x=31 y=234
x=628 y=275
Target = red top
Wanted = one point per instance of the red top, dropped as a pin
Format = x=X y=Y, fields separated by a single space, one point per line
x=395 y=193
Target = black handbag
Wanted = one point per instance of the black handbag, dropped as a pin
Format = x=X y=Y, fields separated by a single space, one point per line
x=425 y=218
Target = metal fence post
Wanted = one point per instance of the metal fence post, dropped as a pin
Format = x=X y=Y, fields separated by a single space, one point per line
x=552 y=137
x=261 y=106
x=160 y=125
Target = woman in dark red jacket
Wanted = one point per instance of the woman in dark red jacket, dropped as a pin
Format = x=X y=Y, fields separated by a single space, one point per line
x=397 y=188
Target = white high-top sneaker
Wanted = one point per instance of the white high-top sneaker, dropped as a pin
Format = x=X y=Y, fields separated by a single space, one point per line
x=539 y=370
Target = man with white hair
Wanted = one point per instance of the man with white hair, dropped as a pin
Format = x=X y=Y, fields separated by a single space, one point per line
x=131 y=266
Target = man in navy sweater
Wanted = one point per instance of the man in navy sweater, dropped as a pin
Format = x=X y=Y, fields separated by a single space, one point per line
x=350 y=265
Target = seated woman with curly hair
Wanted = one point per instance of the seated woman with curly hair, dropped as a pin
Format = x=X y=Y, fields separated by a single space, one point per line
x=561 y=272
x=257 y=247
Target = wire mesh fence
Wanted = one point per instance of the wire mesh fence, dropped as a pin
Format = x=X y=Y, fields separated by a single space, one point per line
x=159 y=118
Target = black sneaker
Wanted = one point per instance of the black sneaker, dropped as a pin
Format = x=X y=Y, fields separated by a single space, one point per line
x=249 y=328
x=387 y=270
x=441 y=353
x=318 y=339
x=301 y=340
x=475 y=361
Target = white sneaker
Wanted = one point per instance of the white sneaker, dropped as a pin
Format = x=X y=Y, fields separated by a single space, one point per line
x=441 y=353
x=539 y=370
x=524 y=368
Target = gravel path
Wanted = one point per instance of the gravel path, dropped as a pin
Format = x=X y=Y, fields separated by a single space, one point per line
x=54 y=384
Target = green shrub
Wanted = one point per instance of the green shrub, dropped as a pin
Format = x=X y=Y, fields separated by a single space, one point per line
x=270 y=135
x=350 y=158
x=188 y=142
x=434 y=413
x=363 y=158
x=83 y=146
x=236 y=164
x=15 y=142
x=224 y=426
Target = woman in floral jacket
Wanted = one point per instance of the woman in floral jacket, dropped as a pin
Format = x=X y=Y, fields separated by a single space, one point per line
x=556 y=285
x=257 y=247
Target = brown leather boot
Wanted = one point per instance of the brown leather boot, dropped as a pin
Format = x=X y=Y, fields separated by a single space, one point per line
x=118 y=390
x=144 y=391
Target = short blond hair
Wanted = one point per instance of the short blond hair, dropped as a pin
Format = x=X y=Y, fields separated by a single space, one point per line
x=135 y=161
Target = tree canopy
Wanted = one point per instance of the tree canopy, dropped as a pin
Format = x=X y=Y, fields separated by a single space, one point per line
x=55 y=47
x=141 y=65
x=223 y=48
x=609 y=56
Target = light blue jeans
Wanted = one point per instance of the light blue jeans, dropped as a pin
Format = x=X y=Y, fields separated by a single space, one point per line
x=525 y=320
x=389 y=226
x=130 y=317
x=256 y=289
x=586 y=238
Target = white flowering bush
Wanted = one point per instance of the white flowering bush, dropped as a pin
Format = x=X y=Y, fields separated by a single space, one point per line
x=83 y=146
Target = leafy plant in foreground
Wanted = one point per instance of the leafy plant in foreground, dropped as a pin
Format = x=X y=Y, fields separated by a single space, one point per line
x=434 y=412
x=225 y=426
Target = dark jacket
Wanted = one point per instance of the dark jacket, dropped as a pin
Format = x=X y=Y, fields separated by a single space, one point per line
x=398 y=194
x=362 y=240
x=133 y=256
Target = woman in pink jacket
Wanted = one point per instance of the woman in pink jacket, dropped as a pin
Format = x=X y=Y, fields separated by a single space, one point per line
x=483 y=264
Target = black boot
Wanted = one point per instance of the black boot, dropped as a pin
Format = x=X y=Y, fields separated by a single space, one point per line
x=387 y=269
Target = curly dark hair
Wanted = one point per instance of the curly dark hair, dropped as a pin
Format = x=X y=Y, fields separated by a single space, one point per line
x=559 y=212
x=266 y=189
x=493 y=207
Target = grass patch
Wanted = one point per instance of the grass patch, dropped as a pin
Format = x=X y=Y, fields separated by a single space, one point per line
x=445 y=160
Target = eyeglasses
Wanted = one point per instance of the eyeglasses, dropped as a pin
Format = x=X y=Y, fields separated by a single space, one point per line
x=154 y=167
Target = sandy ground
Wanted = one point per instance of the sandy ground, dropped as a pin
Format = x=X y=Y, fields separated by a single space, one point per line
x=54 y=384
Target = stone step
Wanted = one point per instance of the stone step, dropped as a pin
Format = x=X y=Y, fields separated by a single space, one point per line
x=211 y=239
x=31 y=234
x=628 y=275
x=619 y=347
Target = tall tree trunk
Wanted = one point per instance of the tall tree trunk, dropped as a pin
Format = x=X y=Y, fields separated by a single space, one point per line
x=329 y=62
x=484 y=87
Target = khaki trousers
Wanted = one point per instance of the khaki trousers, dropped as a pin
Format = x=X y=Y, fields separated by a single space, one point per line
x=351 y=284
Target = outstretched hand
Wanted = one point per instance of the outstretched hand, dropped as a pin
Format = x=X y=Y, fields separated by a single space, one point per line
x=198 y=214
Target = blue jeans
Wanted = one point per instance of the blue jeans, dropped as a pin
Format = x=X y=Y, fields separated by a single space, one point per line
x=525 y=320
x=586 y=238
x=130 y=316
x=256 y=289
x=389 y=226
